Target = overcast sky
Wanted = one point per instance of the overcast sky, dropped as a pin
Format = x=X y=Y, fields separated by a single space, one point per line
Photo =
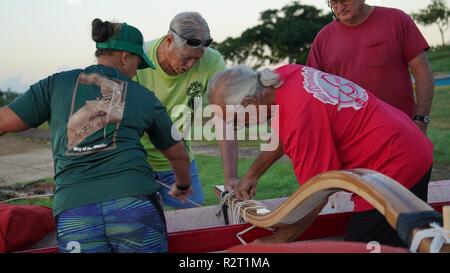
x=41 y=37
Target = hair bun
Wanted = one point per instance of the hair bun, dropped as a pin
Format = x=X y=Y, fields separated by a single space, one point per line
x=101 y=31
x=268 y=78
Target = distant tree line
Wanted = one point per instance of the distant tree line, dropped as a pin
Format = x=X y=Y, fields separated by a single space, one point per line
x=437 y=12
x=7 y=97
x=286 y=35
x=282 y=35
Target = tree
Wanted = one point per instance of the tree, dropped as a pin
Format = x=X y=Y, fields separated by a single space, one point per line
x=282 y=35
x=7 y=97
x=435 y=13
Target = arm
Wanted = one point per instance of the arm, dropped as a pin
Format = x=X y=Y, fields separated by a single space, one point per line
x=229 y=152
x=179 y=160
x=10 y=122
x=165 y=139
x=421 y=70
x=247 y=186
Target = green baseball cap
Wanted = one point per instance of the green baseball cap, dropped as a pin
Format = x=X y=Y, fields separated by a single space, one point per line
x=128 y=38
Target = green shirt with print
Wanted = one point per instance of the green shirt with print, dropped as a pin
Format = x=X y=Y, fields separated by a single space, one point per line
x=97 y=117
x=178 y=93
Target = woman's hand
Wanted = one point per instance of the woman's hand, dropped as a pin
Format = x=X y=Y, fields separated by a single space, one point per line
x=180 y=192
x=246 y=188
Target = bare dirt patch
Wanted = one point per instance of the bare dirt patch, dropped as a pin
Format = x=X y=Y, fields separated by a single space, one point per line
x=11 y=144
x=23 y=160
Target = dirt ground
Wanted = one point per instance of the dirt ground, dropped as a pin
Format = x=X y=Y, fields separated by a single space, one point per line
x=12 y=144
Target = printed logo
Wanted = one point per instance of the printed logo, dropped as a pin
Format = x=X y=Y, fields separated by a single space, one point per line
x=195 y=92
x=334 y=90
x=97 y=108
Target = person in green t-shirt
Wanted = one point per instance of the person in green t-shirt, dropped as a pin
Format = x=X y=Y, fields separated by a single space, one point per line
x=106 y=196
x=184 y=64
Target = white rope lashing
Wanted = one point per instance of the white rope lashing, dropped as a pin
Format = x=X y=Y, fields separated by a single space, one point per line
x=236 y=206
x=439 y=237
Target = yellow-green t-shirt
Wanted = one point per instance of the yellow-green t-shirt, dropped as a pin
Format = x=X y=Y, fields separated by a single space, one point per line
x=177 y=90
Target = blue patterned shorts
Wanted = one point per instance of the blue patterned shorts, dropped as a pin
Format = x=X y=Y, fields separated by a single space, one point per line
x=125 y=225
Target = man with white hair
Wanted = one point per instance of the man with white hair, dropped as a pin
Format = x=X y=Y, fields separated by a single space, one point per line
x=184 y=64
x=326 y=123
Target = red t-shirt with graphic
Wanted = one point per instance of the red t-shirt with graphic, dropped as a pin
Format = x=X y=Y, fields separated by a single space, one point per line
x=329 y=123
x=374 y=54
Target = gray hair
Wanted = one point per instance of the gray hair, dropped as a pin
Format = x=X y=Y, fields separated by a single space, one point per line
x=190 y=24
x=242 y=81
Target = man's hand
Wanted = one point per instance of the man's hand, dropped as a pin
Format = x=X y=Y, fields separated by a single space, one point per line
x=246 y=188
x=231 y=183
x=422 y=126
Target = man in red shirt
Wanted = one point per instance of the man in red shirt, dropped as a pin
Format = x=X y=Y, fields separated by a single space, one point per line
x=373 y=47
x=325 y=123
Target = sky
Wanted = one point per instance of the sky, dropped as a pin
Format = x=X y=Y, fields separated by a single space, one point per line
x=42 y=37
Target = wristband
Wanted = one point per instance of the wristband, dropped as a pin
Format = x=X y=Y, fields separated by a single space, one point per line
x=423 y=119
x=183 y=187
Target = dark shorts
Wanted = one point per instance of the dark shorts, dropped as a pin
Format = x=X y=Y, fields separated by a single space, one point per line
x=131 y=224
x=371 y=225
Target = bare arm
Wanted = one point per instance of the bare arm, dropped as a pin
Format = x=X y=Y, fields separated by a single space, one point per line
x=10 y=122
x=179 y=160
x=423 y=75
x=247 y=186
x=229 y=152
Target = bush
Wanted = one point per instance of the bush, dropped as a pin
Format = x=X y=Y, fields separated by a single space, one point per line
x=7 y=96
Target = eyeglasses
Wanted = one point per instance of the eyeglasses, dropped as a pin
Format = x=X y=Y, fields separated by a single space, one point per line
x=333 y=3
x=194 y=42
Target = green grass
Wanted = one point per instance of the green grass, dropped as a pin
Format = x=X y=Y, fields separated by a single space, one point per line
x=439 y=128
x=279 y=180
x=440 y=59
x=44 y=126
x=46 y=202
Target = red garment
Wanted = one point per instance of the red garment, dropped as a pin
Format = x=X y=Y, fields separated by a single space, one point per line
x=329 y=123
x=23 y=226
x=375 y=54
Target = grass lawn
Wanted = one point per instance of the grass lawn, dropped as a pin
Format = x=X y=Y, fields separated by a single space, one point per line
x=279 y=181
x=47 y=202
x=439 y=128
x=440 y=59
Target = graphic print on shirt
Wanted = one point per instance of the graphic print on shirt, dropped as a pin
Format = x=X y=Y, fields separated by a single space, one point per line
x=334 y=90
x=97 y=109
x=195 y=92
